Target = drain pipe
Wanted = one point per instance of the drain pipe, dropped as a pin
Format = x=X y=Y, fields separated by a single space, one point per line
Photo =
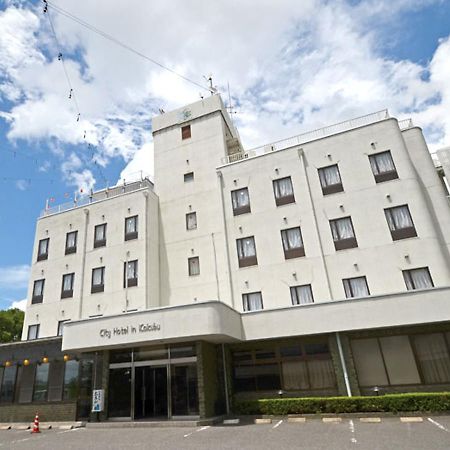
x=225 y=381
x=344 y=367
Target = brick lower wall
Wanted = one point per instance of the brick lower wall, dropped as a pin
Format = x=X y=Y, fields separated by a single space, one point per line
x=48 y=412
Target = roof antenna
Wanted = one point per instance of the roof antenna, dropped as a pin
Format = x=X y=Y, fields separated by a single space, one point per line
x=230 y=108
x=212 y=89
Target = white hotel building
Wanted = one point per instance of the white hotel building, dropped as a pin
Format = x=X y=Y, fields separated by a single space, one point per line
x=317 y=265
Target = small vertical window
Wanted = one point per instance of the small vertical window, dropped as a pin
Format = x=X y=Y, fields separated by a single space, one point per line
x=100 y=235
x=61 y=327
x=186 y=132
x=383 y=167
x=131 y=228
x=67 y=285
x=283 y=191
x=130 y=275
x=43 y=249
x=418 y=278
x=191 y=221
x=38 y=291
x=292 y=243
x=330 y=179
x=71 y=372
x=98 y=280
x=400 y=222
x=246 y=251
x=41 y=383
x=33 y=332
x=240 y=201
x=71 y=242
x=194 y=266
x=252 y=301
x=302 y=295
x=356 y=287
x=188 y=177
x=343 y=233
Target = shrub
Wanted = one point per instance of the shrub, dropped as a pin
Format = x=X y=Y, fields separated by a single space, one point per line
x=393 y=403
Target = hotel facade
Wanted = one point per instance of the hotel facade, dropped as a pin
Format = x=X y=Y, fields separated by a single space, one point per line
x=318 y=265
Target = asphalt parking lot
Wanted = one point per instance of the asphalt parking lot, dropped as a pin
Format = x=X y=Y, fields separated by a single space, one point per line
x=432 y=433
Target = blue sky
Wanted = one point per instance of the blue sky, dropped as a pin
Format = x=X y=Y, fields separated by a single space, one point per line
x=291 y=68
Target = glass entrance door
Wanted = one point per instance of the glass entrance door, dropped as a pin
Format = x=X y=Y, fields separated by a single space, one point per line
x=184 y=390
x=150 y=392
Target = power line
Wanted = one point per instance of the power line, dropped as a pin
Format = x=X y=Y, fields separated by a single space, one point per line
x=94 y=29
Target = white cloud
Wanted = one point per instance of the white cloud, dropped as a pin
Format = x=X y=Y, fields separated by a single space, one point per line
x=21 y=304
x=14 y=277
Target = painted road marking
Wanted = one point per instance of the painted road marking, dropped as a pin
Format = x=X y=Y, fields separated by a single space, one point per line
x=277 y=424
x=351 y=425
x=440 y=426
x=196 y=431
x=411 y=419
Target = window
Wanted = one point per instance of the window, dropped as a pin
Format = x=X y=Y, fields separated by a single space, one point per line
x=98 y=280
x=188 y=177
x=33 y=332
x=194 y=266
x=70 y=391
x=383 y=167
x=8 y=384
x=330 y=180
x=302 y=295
x=100 y=235
x=25 y=382
x=246 y=250
x=191 y=221
x=292 y=243
x=38 y=292
x=356 y=287
x=252 y=301
x=130 y=273
x=43 y=249
x=240 y=201
x=186 y=132
x=71 y=242
x=418 y=278
x=283 y=190
x=343 y=233
x=61 y=327
x=67 y=285
x=55 y=381
x=41 y=383
x=400 y=222
x=131 y=228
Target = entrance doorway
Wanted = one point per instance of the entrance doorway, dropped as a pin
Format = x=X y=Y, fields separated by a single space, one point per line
x=150 y=392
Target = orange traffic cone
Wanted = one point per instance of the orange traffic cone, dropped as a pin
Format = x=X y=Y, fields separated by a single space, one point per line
x=36 y=424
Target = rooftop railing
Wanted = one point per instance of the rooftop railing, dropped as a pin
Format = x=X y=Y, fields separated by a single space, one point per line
x=405 y=124
x=96 y=197
x=310 y=136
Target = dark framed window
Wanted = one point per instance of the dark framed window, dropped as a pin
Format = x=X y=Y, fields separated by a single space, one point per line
x=188 y=177
x=356 y=287
x=55 y=381
x=131 y=228
x=33 y=332
x=241 y=201
x=71 y=242
x=43 y=249
x=246 y=250
x=8 y=384
x=383 y=167
x=186 y=132
x=67 y=285
x=130 y=273
x=330 y=179
x=71 y=385
x=41 y=383
x=61 y=327
x=292 y=243
x=100 y=235
x=302 y=295
x=191 y=221
x=194 y=266
x=419 y=278
x=343 y=233
x=283 y=191
x=98 y=280
x=252 y=301
x=38 y=291
x=400 y=222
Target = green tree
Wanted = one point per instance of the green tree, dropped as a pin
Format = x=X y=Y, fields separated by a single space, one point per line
x=11 y=322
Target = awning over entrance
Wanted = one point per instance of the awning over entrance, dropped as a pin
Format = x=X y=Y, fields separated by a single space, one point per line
x=210 y=321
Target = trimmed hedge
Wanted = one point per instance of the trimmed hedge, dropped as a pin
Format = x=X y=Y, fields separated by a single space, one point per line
x=393 y=403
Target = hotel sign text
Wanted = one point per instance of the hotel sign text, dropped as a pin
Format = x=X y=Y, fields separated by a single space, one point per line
x=129 y=329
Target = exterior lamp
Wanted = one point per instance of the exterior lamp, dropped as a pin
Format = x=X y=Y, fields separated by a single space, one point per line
x=45 y=359
x=26 y=362
x=280 y=393
x=7 y=363
x=66 y=358
x=376 y=389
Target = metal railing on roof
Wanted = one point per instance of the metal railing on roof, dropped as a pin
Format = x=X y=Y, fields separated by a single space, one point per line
x=310 y=136
x=405 y=124
x=97 y=196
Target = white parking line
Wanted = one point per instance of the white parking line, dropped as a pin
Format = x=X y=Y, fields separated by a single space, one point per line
x=277 y=424
x=67 y=431
x=196 y=431
x=351 y=425
x=440 y=426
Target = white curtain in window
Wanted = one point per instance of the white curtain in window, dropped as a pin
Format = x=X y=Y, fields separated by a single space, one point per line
x=253 y=301
x=97 y=277
x=295 y=375
x=321 y=374
x=418 y=279
x=194 y=266
x=304 y=294
x=67 y=282
x=433 y=357
x=329 y=176
x=246 y=248
x=342 y=229
x=72 y=239
x=131 y=225
x=43 y=246
x=100 y=233
x=292 y=238
x=283 y=187
x=38 y=287
x=399 y=218
x=240 y=198
x=382 y=163
x=356 y=287
x=132 y=269
x=191 y=221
